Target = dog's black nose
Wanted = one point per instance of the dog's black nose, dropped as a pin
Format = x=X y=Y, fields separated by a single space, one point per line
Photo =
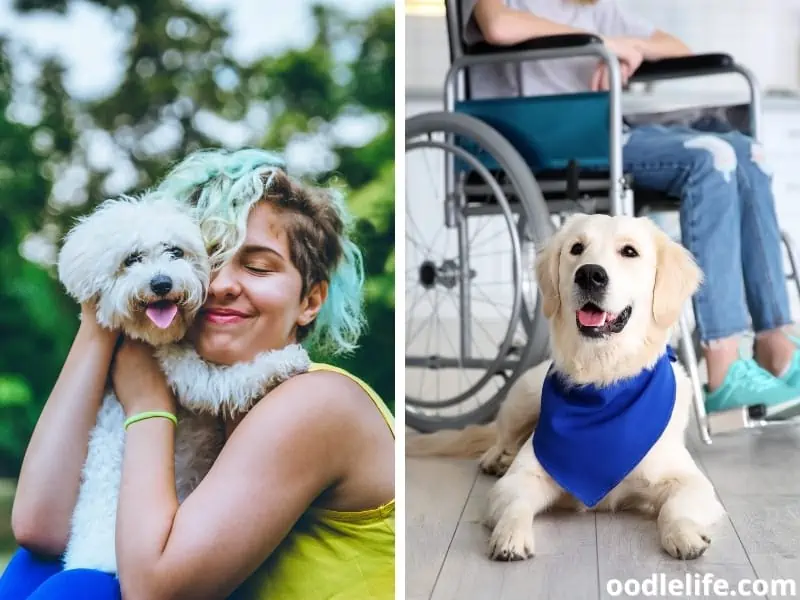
x=591 y=278
x=161 y=285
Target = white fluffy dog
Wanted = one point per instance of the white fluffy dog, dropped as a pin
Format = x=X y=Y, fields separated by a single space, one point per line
x=612 y=290
x=143 y=262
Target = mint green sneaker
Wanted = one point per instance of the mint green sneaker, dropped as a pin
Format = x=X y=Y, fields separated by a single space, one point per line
x=747 y=384
x=792 y=375
x=791 y=378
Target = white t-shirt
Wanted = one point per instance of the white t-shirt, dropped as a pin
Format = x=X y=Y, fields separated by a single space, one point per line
x=556 y=76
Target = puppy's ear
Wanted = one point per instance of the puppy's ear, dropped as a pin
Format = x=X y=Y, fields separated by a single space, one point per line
x=547 y=266
x=677 y=279
x=79 y=260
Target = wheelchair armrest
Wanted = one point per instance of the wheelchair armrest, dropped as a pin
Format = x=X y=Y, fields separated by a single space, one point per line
x=549 y=42
x=696 y=65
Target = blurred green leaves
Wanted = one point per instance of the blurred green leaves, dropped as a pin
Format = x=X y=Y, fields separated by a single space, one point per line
x=14 y=391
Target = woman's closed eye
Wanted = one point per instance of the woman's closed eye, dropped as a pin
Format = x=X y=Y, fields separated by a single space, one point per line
x=259 y=268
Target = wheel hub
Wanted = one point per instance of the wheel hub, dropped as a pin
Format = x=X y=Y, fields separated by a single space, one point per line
x=446 y=274
x=427 y=274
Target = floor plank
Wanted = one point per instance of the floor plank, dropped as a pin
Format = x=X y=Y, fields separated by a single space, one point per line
x=628 y=547
x=565 y=565
x=436 y=494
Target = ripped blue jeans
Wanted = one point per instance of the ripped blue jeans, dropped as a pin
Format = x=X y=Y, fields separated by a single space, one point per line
x=727 y=218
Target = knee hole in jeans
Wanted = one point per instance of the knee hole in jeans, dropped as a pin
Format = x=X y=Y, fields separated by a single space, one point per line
x=718 y=151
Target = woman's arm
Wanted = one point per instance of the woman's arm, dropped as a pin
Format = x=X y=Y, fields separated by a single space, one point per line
x=501 y=25
x=51 y=470
x=505 y=26
x=660 y=45
x=297 y=442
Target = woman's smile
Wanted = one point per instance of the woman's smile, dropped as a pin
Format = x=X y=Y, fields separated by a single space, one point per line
x=224 y=316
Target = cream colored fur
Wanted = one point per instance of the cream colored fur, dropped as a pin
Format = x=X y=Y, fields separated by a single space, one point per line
x=92 y=267
x=667 y=482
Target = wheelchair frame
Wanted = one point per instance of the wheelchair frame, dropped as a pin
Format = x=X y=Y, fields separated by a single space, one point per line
x=619 y=199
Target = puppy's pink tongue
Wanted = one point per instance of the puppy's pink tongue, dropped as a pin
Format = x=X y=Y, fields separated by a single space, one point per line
x=162 y=313
x=589 y=318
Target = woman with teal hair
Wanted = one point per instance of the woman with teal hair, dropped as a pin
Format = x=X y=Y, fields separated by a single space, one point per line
x=300 y=502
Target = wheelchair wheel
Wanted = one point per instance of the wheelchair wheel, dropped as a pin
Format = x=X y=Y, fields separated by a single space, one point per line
x=534 y=329
x=474 y=213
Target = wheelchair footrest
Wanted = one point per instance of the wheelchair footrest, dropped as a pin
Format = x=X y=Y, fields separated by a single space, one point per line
x=784 y=412
x=735 y=419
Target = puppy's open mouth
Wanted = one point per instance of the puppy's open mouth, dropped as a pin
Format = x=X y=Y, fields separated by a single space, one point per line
x=162 y=313
x=595 y=322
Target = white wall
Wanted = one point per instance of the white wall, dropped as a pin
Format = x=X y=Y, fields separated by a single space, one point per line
x=761 y=34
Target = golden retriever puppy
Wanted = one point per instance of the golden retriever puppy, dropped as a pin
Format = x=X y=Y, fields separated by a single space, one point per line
x=602 y=424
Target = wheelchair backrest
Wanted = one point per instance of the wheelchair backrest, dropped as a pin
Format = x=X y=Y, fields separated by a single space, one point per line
x=455 y=39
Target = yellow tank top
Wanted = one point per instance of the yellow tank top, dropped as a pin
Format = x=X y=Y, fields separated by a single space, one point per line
x=331 y=554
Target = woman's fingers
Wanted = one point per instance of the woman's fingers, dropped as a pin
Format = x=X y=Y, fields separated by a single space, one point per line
x=601 y=79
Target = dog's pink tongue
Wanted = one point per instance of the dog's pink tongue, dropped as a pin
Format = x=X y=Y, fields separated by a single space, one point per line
x=162 y=314
x=589 y=318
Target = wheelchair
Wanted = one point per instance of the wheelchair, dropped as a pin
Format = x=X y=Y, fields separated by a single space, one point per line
x=513 y=168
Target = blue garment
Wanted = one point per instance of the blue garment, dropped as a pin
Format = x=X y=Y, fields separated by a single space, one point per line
x=589 y=438
x=32 y=577
x=727 y=219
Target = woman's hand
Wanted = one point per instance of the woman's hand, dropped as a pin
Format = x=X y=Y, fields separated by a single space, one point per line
x=601 y=80
x=138 y=381
x=630 y=58
x=92 y=328
x=627 y=50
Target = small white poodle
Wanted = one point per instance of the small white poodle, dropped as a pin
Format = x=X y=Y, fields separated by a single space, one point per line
x=143 y=262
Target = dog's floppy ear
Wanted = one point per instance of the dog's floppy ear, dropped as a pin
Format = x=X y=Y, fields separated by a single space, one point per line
x=83 y=260
x=548 y=258
x=548 y=262
x=76 y=262
x=677 y=279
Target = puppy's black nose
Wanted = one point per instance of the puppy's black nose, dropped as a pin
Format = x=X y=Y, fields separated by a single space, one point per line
x=591 y=278
x=161 y=285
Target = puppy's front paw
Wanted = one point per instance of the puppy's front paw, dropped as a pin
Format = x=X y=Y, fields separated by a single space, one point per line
x=685 y=539
x=495 y=461
x=507 y=544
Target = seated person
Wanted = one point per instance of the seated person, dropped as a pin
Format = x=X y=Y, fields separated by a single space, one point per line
x=727 y=212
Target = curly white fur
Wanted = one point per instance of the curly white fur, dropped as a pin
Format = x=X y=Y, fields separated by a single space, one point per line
x=112 y=257
x=225 y=390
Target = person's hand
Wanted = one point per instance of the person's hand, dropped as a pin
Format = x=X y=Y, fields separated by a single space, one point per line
x=138 y=381
x=601 y=81
x=629 y=56
x=90 y=325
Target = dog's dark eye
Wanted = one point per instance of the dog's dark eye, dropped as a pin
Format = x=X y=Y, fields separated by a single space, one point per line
x=175 y=252
x=133 y=258
x=629 y=251
x=577 y=249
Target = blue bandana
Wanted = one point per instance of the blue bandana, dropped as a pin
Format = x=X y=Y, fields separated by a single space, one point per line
x=589 y=438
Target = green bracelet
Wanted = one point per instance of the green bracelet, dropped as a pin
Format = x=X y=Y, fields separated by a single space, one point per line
x=149 y=415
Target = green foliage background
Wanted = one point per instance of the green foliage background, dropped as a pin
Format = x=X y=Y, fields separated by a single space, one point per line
x=178 y=65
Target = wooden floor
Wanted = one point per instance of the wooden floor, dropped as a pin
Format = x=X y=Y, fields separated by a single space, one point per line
x=757 y=476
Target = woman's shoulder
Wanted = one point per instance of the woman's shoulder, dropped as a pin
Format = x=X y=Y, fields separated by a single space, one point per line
x=347 y=390
x=325 y=393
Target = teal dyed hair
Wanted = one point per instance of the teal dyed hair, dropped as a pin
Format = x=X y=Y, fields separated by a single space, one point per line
x=223 y=186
